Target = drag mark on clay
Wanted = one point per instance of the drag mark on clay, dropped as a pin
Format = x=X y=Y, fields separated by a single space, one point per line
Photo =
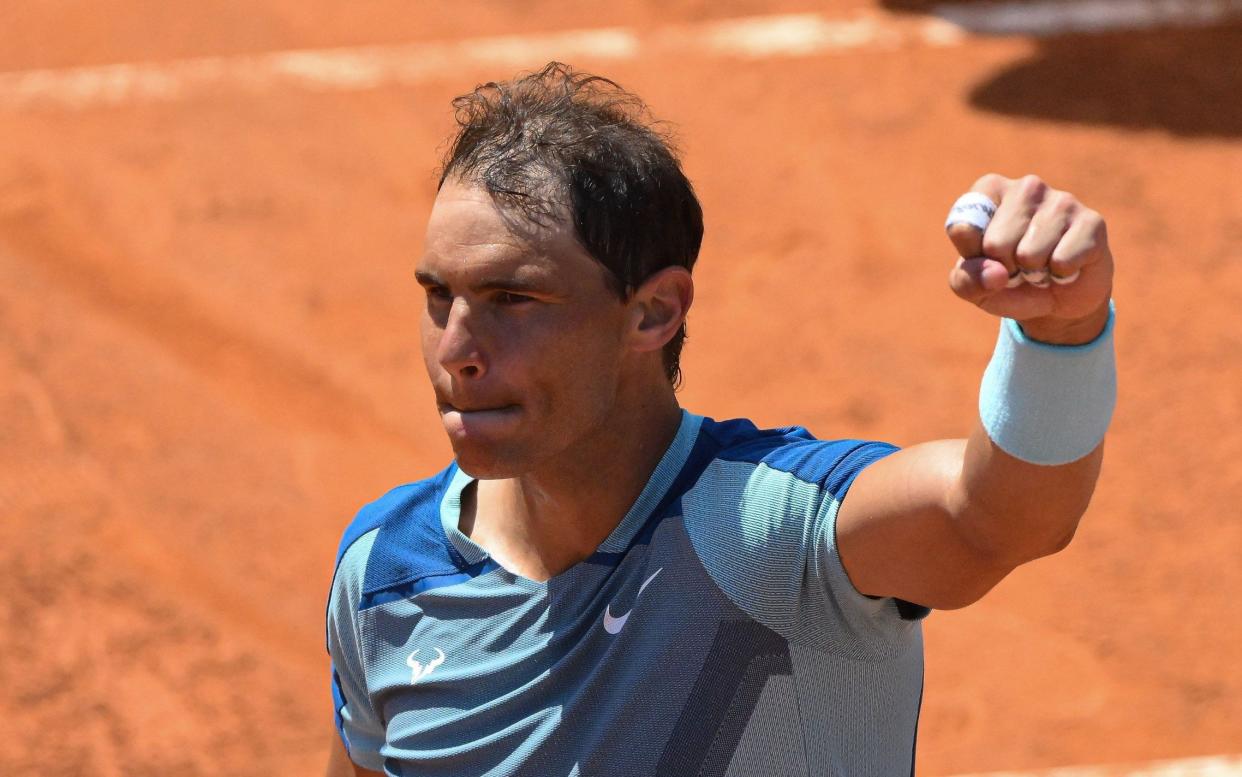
x=786 y=35
x=1212 y=766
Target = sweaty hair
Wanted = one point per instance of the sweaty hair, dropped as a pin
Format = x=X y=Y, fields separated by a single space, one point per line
x=560 y=140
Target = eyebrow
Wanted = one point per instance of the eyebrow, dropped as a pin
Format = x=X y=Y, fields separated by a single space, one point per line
x=490 y=284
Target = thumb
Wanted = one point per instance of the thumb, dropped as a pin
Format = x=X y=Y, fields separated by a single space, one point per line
x=974 y=280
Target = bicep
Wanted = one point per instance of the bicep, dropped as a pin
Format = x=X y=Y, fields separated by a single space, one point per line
x=897 y=535
x=340 y=765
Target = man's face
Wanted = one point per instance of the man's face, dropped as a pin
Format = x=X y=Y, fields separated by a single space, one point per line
x=522 y=337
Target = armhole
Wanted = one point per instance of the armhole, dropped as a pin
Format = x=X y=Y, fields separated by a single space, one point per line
x=854 y=463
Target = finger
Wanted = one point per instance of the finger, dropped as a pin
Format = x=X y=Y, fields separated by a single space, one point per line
x=967 y=239
x=1047 y=227
x=967 y=220
x=970 y=215
x=981 y=281
x=993 y=186
x=1081 y=245
x=1022 y=303
x=974 y=280
x=1013 y=217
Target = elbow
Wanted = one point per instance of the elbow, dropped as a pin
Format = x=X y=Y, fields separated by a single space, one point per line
x=1009 y=541
x=1063 y=541
x=1055 y=539
x=987 y=569
x=993 y=557
x=964 y=595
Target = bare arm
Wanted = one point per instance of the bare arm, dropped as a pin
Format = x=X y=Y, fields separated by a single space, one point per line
x=941 y=523
x=339 y=764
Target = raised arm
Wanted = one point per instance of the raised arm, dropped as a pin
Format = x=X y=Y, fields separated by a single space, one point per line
x=941 y=523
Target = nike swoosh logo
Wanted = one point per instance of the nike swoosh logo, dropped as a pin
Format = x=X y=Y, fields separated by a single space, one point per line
x=613 y=625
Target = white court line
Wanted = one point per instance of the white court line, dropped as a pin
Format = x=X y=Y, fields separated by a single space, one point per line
x=1212 y=766
x=792 y=35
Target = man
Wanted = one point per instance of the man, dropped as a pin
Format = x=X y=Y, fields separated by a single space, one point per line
x=605 y=584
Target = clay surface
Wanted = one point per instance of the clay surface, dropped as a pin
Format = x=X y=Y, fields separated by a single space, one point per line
x=208 y=357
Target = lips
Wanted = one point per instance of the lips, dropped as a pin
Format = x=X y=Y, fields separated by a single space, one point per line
x=448 y=407
x=468 y=420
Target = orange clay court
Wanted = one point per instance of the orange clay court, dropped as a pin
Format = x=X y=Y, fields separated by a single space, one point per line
x=208 y=353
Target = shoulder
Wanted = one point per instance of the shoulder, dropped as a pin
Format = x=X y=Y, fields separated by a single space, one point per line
x=411 y=503
x=830 y=465
x=397 y=537
x=761 y=517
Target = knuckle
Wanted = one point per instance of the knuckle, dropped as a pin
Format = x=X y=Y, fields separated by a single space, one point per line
x=1027 y=258
x=961 y=284
x=1032 y=186
x=1063 y=258
x=1075 y=253
x=954 y=283
x=996 y=247
x=989 y=181
x=1062 y=202
x=1095 y=225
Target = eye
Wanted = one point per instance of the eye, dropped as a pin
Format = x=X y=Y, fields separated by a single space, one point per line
x=510 y=298
x=437 y=293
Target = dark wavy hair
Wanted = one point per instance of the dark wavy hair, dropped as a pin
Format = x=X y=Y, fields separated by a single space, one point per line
x=560 y=140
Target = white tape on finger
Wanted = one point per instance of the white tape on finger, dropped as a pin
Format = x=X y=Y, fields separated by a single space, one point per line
x=971 y=208
x=1063 y=280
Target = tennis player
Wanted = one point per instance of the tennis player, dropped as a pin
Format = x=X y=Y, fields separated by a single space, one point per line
x=603 y=583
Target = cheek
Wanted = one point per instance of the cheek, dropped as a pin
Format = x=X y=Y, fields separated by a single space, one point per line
x=585 y=364
x=429 y=340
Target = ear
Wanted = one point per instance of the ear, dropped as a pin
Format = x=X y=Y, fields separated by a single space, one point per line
x=658 y=308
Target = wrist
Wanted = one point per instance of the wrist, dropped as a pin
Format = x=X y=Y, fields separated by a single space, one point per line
x=1048 y=403
x=1078 y=331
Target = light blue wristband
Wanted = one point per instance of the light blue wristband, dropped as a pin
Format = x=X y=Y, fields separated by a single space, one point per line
x=1049 y=404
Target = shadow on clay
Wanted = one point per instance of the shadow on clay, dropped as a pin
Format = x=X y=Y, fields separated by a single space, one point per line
x=1185 y=81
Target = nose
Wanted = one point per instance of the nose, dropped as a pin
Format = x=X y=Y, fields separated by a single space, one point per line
x=459 y=351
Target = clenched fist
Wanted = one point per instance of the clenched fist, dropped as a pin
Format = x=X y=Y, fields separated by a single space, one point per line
x=1043 y=260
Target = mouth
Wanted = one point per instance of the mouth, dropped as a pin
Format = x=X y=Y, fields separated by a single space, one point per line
x=462 y=422
x=474 y=410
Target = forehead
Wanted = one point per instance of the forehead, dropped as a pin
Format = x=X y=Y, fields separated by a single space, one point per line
x=469 y=231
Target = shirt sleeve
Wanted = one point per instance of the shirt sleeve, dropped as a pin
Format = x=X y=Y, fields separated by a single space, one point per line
x=357 y=723
x=765 y=529
x=875 y=624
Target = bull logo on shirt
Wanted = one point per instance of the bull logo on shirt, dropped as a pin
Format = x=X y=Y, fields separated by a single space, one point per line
x=418 y=671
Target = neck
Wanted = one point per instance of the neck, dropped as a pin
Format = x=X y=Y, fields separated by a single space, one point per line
x=543 y=522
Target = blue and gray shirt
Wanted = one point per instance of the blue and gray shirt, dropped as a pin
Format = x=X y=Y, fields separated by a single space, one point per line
x=714 y=632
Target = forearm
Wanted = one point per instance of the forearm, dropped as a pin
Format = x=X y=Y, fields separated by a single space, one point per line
x=942 y=522
x=1030 y=466
x=1015 y=511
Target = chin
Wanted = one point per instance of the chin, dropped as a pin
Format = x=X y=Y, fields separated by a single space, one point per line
x=490 y=462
